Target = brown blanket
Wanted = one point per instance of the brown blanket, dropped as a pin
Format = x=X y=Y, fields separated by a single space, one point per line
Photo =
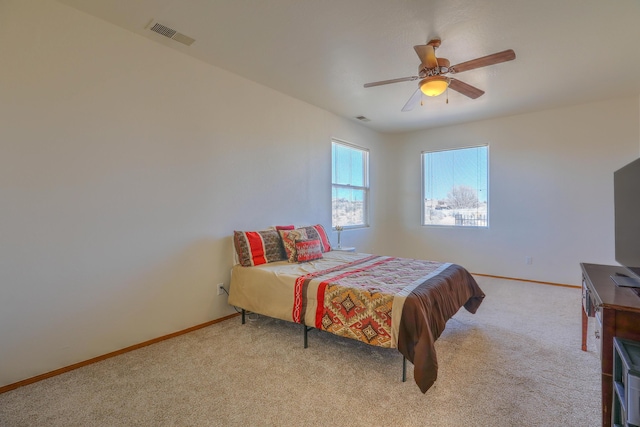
x=425 y=315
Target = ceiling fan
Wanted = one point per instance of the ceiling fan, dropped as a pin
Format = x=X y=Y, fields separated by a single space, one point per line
x=432 y=70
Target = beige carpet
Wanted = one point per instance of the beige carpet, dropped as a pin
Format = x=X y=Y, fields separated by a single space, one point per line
x=517 y=362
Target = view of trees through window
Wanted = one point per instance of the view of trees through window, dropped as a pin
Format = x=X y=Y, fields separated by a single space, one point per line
x=455 y=187
x=350 y=185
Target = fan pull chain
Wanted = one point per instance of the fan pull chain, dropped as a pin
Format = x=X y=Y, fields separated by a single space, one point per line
x=447 y=95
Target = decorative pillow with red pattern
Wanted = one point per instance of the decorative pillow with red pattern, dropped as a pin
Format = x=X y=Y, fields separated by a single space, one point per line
x=318 y=232
x=308 y=250
x=289 y=238
x=285 y=227
x=258 y=247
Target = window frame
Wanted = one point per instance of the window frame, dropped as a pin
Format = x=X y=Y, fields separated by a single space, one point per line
x=365 y=188
x=423 y=189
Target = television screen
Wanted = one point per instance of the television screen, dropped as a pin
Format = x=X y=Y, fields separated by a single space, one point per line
x=626 y=183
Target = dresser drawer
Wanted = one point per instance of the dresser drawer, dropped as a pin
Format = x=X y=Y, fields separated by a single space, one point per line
x=587 y=304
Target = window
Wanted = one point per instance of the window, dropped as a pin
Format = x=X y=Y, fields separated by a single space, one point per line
x=350 y=185
x=455 y=187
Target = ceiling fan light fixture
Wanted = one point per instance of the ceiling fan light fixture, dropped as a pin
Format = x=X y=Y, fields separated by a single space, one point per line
x=434 y=86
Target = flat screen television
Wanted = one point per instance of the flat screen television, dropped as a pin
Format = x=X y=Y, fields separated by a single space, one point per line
x=626 y=193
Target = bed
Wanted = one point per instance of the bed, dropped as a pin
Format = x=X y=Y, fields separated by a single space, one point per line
x=383 y=301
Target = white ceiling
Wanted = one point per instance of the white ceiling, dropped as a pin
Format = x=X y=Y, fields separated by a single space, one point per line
x=323 y=51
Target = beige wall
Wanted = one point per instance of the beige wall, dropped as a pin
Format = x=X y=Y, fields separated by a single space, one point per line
x=125 y=168
x=551 y=191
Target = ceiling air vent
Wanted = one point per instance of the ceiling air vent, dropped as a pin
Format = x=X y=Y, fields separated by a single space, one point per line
x=363 y=119
x=171 y=33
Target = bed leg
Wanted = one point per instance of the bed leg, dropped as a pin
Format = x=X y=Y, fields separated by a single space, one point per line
x=243 y=312
x=404 y=369
x=306 y=333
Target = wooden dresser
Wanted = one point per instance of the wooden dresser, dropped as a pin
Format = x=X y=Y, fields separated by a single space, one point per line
x=617 y=312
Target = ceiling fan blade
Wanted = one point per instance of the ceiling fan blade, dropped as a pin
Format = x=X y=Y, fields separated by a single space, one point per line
x=386 y=82
x=496 y=58
x=465 y=88
x=427 y=55
x=413 y=101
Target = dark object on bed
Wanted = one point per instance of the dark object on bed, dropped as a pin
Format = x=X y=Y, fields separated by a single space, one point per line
x=425 y=314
